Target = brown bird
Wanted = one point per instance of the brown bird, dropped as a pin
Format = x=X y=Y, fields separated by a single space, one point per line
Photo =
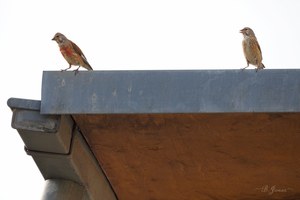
x=71 y=52
x=251 y=49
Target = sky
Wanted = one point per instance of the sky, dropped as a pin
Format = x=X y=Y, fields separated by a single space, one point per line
x=127 y=35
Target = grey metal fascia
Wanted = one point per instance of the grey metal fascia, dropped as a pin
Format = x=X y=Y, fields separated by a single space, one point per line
x=171 y=91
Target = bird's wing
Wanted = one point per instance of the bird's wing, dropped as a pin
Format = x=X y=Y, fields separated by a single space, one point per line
x=258 y=46
x=255 y=46
x=79 y=52
x=77 y=49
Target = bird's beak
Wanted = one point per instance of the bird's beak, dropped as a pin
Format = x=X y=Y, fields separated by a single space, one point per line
x=53 y=38
x=242 y=31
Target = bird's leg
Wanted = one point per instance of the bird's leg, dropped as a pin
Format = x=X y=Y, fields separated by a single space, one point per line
x=246 y=66
x=67 y=68
x=76 y=70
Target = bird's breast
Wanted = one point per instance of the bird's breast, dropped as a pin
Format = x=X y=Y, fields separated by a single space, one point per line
x=66 y=51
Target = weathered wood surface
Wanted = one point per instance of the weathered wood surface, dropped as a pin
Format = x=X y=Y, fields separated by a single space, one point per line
x=197 y=156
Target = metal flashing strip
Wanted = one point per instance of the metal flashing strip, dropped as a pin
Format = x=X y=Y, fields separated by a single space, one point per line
x=171 y=91
x=27 y=104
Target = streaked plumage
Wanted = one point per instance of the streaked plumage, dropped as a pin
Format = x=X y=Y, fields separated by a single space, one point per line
x=71 y=52
x=251 y=49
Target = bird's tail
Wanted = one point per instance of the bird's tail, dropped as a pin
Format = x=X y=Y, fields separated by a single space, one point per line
x=261 y=66
x=87 y=65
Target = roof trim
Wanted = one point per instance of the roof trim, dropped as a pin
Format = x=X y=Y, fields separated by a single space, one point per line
x=27 y=104
x=175 y=91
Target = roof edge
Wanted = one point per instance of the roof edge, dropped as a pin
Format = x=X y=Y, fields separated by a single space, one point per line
x=28 y=104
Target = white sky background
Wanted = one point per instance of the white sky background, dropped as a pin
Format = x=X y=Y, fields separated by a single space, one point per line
x=121 y=35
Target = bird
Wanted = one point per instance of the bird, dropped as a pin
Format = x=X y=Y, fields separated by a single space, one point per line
x=71 y=52
x=251 y=49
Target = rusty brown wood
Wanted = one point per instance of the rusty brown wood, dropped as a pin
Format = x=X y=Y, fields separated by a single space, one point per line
x=197 y=156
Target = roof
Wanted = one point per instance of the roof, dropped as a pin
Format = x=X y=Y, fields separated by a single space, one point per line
x=198 y=134
x=193 y=91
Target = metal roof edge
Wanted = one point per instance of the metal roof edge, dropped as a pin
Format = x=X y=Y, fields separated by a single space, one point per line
x=24 y=103
x=171 y=91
